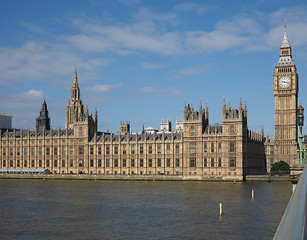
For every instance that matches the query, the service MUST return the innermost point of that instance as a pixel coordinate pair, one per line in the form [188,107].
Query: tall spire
[285,42]
[75,76]
[200,107]
[224,105]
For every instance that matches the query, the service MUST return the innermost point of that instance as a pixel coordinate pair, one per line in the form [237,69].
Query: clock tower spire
[285,80]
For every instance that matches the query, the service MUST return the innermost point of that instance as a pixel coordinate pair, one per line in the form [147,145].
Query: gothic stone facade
[227,151]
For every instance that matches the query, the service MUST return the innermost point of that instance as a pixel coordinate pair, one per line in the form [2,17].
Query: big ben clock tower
[285,94]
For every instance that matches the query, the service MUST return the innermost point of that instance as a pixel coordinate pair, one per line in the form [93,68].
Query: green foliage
[280,167]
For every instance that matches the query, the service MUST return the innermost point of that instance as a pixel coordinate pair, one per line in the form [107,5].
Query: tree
[280,167]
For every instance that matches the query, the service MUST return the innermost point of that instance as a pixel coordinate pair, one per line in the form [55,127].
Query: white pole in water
[253,194]
[221,209]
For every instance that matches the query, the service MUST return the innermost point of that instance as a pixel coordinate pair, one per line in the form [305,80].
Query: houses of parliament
[196,150]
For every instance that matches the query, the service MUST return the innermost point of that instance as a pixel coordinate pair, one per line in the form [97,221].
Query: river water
[71,209]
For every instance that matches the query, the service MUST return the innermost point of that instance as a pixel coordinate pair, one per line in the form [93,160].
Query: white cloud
[31,95]
[147,90]
[103,88]
[36,61]
[24,107]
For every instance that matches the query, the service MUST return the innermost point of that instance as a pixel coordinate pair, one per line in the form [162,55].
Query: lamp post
[300,123]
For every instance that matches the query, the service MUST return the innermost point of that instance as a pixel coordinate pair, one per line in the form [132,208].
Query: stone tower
[285,82]
[194,125]
[78,118]
[124,127]
[43,121]
[74,109]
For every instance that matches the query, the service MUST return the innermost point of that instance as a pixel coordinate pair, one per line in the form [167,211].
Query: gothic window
[177,148]
[47,151]
[115,149]
[219,147]
[232,162]
[124,149]
[40,151]
[99,150]
[149,162]
[159,149]
[115,162]
[47,163]
[132,149]
[232,129]
[205,162]
[107,150]
[91,163]
[192,162]
[212,162]
[212,147]
[71,150]
[220,162]
[192,131]
[159,162]
[63,151]
[63,163]
[168,162]
[168,149]
[193,147]
[99,162]
[150,149]
[132,162]
[141,163]
[91,150]
[141,149]
[107,162]
[55,151]
[232,147]
[205,147]
[81,150]
[124,163]
[81,164]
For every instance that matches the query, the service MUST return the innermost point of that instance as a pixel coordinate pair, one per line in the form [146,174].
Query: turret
[43,120]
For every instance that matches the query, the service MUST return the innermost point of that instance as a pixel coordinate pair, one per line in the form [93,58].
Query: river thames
[72,209]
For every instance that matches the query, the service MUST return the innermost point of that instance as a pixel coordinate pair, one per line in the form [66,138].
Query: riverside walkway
[293,224]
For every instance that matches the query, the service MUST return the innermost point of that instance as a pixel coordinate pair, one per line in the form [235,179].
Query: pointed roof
[285,42]
[75,76]
[44,106]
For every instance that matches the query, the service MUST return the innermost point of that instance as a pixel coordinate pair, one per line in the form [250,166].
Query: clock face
[284,82]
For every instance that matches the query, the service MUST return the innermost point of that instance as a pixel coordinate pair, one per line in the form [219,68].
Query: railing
[293,223]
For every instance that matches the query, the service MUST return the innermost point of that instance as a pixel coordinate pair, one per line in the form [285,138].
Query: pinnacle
[285,42]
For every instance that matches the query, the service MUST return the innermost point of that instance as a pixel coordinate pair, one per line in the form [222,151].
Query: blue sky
[141,60]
